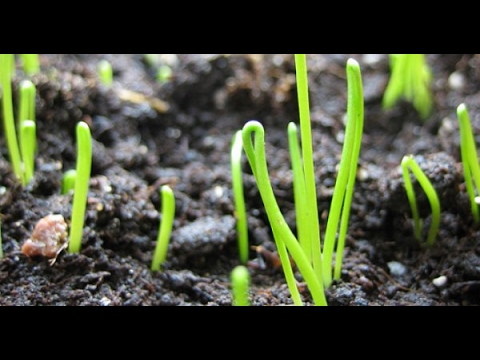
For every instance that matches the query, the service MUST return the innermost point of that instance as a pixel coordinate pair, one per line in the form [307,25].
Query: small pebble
[440,281]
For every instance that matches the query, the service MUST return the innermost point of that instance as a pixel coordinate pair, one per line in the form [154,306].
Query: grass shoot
[410,79]
[31,64]
[305,249]
[105,72]
[165,227]
[82,180]
[409,164]
[240,280]
[28,135]
[471,167]
[68,181]
[239,200]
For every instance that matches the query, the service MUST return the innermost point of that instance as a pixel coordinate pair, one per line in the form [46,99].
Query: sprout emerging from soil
[471,167]
[105,72]
[82,179]
[165,227]
[409,164]
[240,279]
[410,79]
[239,199]
[315,267]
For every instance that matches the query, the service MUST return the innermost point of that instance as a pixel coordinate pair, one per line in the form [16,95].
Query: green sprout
[237,184]
[240,279]
[409,164]
[471,167]
[82,179]
[164,74]
[315,267]
[21,139]
[27,148]
[6,63]
[68,181]
[105,72]
[31,63]
[410,79]
[165,227]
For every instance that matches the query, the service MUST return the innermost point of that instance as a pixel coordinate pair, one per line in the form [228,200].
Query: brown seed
[48,239]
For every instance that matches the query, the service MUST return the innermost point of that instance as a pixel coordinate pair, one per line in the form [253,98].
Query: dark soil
[147,134]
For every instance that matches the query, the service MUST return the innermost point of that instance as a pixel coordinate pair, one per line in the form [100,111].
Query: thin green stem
[80,192]
[105,72]
[471,167]
[239,199]
[302,220]
[240,280]
[6,63]
[354,132]
[27,147]
[255,151]
[408,162]
[308,166]
[165,227]
[31,64]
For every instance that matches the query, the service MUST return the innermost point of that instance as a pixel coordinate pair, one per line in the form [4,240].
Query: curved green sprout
[165,227]
[240,279]
[239,199]
[410,78]
[471,167]
[306,252]
[409,163]
[285,240]
[82,180]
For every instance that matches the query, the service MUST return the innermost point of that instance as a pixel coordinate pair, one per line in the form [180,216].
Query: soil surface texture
[148,133]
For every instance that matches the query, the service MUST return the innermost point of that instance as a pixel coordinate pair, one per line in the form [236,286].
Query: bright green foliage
[164,74]
[68,181]
[28,134]
[410,79]
[240,279]
[21,138]
[237,184]
[471,167]
[105,72]
[315,267]
[82,180]
[31,64]
[6,63]
[409,164]
[165,227]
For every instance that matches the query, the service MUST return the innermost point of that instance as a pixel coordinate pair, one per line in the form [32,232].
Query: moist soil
[147,134]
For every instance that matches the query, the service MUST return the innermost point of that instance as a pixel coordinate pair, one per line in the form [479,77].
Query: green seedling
[315,267]
[105,72]
[164,74]
[6,63]
[68,181]
[409,164]
[239,199]
[27,148]
[31,63]
[240,279]
[410,79]
[21,139]
[82,180]
[471,167]
[165,227]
